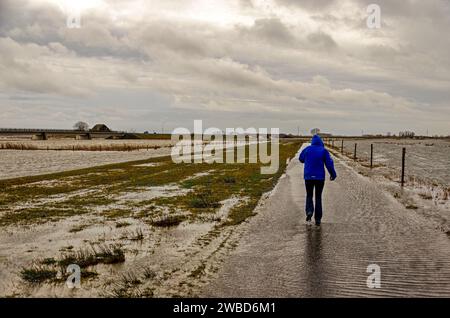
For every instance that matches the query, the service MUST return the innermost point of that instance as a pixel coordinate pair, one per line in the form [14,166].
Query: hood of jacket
[316,141]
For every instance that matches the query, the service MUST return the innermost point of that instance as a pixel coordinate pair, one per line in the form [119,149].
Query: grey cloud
[322,40]
[308,4]
[187,41]
[29,22]
[273,70]
[271,30]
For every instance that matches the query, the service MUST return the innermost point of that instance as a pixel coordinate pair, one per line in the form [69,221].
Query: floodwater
[170,253]
[21,163]
[18,163]
[280,256]
[428,159]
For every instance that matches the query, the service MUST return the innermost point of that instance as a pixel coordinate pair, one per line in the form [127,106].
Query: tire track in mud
[280,256]
[204,258]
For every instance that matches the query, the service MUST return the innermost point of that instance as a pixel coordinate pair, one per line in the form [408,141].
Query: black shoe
[318,223]
[308,217]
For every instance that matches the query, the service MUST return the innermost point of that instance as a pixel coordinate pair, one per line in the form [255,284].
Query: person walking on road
[315,157]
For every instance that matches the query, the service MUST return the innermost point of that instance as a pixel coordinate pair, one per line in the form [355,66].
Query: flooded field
[35,159]
[18,163]
[425,159]
[427,173]
[72,154]
[146,228]
[143,226]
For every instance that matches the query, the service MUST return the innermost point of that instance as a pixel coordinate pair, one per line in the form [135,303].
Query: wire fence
[420,164]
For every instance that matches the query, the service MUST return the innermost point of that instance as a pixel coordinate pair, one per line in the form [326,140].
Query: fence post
[354,153]
[342,146]
[371,156]
[403,166]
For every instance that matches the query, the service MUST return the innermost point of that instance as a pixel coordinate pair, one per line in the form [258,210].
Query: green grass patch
[78,228]
[48,261]
[47,269]
[88,200]
[38,274]
[122,224]
[38,215]
[94,255]
[137,235]
[117,213]
[168,220]
[204,199]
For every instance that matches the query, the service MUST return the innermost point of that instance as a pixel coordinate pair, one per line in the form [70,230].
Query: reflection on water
[315,262]
[283,257]
[336,257]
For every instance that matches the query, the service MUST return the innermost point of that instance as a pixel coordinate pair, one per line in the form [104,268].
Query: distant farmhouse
[100,128]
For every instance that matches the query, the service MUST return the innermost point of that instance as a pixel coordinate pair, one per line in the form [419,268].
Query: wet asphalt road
[280,256]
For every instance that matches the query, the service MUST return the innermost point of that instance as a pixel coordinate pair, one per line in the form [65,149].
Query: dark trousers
[310,186]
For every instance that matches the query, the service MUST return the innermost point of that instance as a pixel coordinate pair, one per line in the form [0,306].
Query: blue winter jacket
[314,157]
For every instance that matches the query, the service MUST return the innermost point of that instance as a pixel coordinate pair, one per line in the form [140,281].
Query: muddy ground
[147,228]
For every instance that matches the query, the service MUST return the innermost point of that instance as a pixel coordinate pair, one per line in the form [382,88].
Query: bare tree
[81,125]
[406,134]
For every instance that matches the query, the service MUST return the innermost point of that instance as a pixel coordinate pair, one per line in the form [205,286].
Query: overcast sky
[149,65]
